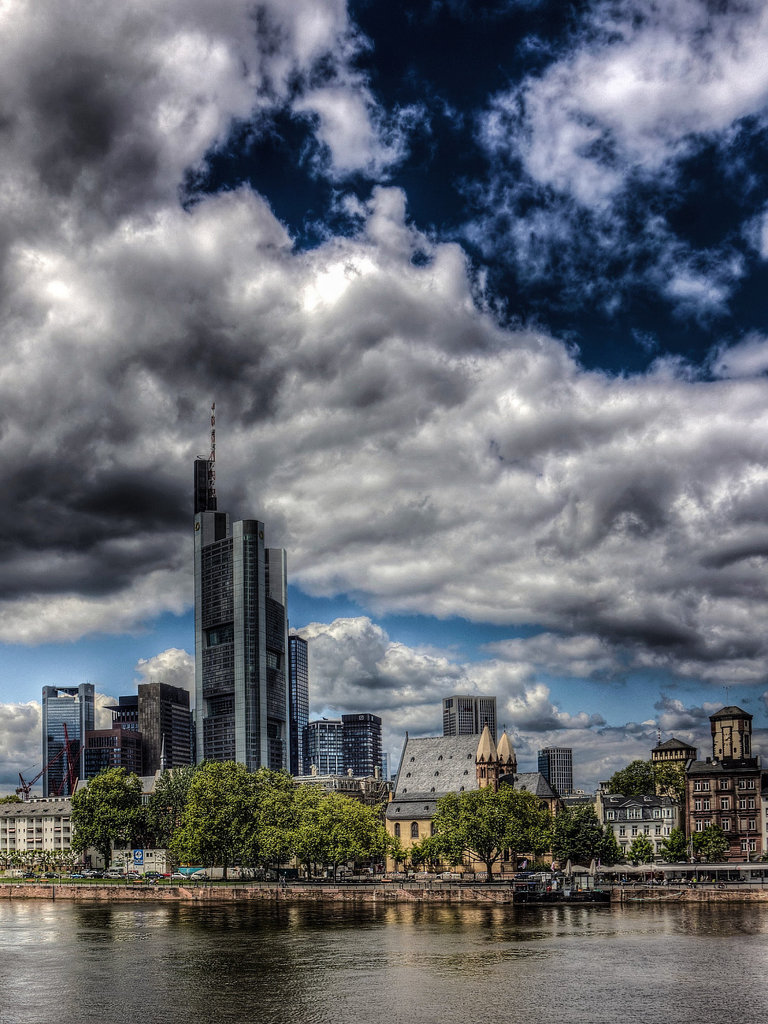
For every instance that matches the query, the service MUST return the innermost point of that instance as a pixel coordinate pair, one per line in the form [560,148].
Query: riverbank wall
[363,893]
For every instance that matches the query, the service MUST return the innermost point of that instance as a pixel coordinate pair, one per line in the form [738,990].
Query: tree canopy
[109,810]
[482,824]
[640,778]
[577,835]
[711,844]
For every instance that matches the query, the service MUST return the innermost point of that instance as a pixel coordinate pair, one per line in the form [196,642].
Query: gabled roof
[436,765]
[532,782]
[674,744]
[731,712]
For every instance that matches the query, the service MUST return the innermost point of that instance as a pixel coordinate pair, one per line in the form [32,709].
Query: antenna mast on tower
[212,458]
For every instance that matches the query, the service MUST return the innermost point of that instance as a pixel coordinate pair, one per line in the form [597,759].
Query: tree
[167,803]
[636,779]
[711,844]
[108,811]
[641,778]
[669,778]
[13,799]
[675,847]
[275,810]
[481,824]
[611,852]
[218,824]
[577,835]
[641,850]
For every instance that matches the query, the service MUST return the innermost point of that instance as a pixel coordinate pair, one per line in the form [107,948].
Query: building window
[725,803]
[397,830]
[724,783]
[701,825]
[751,804]
[697,804]
[752,845]
[742,804]
[658,830]
[622,830]
[751,825]
[634,830]
[725,824]
[611,815]
[705,805]
[414,830]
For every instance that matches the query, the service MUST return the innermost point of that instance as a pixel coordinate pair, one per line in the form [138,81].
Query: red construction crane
[24,787]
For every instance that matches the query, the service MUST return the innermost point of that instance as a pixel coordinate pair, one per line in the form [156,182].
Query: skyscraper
[466,715]
[165,722]
[556,765]
[118,747]
[70,706]
[324,747]
[298,667]
[361,739]
[241,637]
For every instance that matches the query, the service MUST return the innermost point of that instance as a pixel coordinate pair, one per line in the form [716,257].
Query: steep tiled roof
[674,744]
[437,765]
[731,712]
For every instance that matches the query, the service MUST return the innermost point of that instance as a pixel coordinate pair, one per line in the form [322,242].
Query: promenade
[365,892]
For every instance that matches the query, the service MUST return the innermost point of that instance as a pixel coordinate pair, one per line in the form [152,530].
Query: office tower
[465,715]
[165,722]
[298,669]
[385,765]
[556,765]
[324,747]
[70,706]
[241,637]
[361,742]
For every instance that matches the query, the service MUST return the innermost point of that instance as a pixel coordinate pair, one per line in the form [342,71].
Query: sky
[479,291]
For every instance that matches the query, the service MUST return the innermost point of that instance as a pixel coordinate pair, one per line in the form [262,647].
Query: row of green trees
[220,814]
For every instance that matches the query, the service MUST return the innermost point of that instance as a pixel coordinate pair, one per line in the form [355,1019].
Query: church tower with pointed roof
[506,755]
[487,761]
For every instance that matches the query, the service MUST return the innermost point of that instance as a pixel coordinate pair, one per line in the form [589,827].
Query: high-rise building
[298,669]
[165,722]
[118,747]
[361,740]
[466,715]
[241,637]
[73,707]
[324,747]
[556,765]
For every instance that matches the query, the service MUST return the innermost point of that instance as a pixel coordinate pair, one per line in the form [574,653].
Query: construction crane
[24,788]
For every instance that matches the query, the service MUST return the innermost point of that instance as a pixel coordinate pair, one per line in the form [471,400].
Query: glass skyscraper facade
[241,639]
[324,747]
[70,706]
[361,737]
[298,667]
[556,765]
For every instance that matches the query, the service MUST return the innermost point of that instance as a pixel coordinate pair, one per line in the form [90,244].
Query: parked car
[152,876]
[132,876]
[113,873]
[178,877]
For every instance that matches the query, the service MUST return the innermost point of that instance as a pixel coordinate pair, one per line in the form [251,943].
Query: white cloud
[747,358]
[640,88]
[173,666]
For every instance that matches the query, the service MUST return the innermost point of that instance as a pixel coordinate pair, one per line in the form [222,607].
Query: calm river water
[64,963]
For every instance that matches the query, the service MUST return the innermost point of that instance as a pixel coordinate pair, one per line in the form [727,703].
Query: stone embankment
[366,893]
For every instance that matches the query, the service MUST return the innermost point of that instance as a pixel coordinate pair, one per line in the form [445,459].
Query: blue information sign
[138,856]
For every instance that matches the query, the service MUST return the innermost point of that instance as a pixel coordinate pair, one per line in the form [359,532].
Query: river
[689,963]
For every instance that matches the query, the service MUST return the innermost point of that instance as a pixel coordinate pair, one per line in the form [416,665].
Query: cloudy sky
[479,291]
